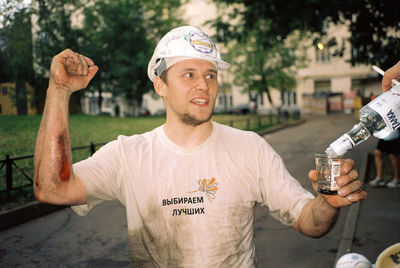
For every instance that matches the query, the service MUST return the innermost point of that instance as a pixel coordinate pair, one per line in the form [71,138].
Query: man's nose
[201,83]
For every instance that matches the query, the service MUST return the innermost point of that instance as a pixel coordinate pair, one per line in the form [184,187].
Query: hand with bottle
[390,74]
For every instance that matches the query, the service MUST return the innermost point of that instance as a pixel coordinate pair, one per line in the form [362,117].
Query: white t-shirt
[192,207]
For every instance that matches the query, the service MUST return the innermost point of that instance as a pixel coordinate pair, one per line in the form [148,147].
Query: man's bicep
[76,191]
[282,194]
[99,176]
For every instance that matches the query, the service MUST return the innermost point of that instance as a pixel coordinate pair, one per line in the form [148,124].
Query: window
[225,95]
[322,54]
[225,99]
[322,86]
[221,99]
[4,90]
[107,102]
[288,97]
[356,84]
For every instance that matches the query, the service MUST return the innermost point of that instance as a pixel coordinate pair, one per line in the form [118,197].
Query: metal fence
[15,176]
[255,122]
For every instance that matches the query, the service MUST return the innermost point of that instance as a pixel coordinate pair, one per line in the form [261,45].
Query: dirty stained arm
[317,218]
[54,180]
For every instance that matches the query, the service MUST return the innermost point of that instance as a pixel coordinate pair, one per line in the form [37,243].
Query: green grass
[18,133]
[18,136]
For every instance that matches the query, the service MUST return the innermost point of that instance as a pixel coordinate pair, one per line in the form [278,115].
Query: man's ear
[160,86]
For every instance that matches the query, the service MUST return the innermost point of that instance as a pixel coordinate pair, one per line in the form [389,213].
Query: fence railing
[259,121]
[26,169]
[9,166]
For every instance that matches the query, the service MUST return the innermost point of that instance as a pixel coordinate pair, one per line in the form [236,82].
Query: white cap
[186,42]
[341,145]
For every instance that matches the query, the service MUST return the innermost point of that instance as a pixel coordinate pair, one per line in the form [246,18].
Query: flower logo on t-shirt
[207,186]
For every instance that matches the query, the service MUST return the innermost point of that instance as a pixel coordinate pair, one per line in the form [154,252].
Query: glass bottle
[380,118]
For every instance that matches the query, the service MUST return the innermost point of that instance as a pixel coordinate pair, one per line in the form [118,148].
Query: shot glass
[328,169]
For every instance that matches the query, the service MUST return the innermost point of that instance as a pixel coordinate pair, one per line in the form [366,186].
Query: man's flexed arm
[54,180]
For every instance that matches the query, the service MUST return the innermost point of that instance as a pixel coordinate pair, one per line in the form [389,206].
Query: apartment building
[331,83]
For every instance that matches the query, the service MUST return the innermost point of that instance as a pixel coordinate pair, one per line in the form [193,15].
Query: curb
[346,240]
[279,127]
[27,212]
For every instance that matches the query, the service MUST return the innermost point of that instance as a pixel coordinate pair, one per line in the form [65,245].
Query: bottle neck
[359,133]
[354,136]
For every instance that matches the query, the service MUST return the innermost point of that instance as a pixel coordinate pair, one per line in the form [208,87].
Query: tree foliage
[16,46]
[374,24]
[260,68]
[375,30]
[120,37]
[52,35]
[16,51]
[261,61]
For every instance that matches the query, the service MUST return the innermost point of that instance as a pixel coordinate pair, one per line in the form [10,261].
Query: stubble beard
[191,120]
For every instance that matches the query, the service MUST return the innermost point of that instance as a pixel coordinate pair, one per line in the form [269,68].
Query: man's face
[191,91]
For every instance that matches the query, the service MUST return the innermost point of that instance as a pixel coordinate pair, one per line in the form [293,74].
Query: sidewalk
[378,225]
[297,147]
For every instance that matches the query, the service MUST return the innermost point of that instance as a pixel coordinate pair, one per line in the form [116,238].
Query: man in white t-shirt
[190,185]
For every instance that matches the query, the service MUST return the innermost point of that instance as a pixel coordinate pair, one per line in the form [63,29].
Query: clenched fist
[71,71]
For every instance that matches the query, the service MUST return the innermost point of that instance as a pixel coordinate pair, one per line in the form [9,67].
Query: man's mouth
[199,101]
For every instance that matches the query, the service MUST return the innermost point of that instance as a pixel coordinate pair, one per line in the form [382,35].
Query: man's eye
[211,76]
[188,74]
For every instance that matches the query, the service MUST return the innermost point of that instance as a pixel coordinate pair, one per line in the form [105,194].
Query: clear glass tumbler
[328,169]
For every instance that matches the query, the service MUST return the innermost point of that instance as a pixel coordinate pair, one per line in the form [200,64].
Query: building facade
[16,102]
[330,84]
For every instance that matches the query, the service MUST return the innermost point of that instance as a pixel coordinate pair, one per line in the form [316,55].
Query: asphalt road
[280,246]
[63,239]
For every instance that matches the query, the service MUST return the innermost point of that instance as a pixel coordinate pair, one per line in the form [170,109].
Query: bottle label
[387,105]
[335,172]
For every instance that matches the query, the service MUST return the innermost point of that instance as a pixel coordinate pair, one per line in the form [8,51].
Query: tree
[54,34]
[16,51]
[264,68]
[115,38]
[374,25]
[120,36]
[260,60]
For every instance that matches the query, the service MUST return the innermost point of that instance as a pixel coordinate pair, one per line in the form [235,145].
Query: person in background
[390,146]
